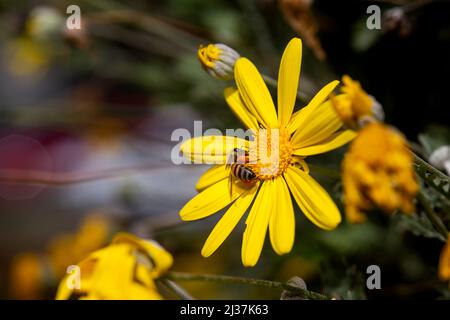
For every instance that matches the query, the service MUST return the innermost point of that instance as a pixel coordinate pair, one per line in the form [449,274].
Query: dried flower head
[377,171]
[355,107]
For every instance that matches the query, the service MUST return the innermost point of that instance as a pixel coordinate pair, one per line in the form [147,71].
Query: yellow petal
[288,78]
[335,141]
[295,118]
[238,107]
[212,176]
[209,201]
[257,222]
[211,149]
[310,110]
[228,222]
[324,123]
[161,258]
[312,199]
[254,92]
[105,281]
[282,220]
[64,292]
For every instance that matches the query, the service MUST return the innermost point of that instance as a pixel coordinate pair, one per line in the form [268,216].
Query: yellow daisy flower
[312,130]
[125,270]
[27,276]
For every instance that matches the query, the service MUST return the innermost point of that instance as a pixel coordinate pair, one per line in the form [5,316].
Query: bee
[239,169]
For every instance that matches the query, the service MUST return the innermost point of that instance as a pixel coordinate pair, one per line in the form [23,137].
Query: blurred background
[95,108]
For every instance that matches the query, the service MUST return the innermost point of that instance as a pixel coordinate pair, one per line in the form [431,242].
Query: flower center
[270,153]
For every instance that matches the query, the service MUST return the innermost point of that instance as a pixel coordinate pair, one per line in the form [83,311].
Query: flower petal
[254,93]
[324,123]
[309,112]
[211,149]
[228,222]
[288,78]
[212,176]
[209,201]
[238,107]
[257,223]
[312,199]
[335,141]
[282,220]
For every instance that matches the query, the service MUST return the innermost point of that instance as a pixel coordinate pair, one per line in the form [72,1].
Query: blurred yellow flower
[27,276]
[355,106]
[70,248]
[312,130]
[377,171]
[126,269]
[444,262]
[218,60]
[32,273]
[27,57]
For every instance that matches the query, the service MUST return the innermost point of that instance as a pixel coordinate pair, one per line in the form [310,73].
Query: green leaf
[419,225]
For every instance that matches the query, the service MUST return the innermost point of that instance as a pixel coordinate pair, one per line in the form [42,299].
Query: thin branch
[305,294]
[150,23]
[301,96]
[175,289]
[58,179]
[432,176]
[434,218]
[324,171]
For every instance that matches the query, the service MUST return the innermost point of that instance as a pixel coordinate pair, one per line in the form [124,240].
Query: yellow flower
[377,170]
[67,249]
[355,106]
[310,131]
[218,60]
[27,276]
[27,57]
[126,269]
[444,262]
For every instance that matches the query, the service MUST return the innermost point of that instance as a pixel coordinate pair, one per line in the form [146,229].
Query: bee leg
[230,185]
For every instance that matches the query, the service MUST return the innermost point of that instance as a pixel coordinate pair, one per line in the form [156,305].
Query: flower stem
[175,289]
[303,97]
[432,176]
[434,218]
[324,171]
[305,294]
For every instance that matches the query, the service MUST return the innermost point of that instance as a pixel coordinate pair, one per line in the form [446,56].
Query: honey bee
[239,169]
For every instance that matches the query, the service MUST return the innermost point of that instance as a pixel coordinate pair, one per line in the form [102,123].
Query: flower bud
[45,23]
[218,60]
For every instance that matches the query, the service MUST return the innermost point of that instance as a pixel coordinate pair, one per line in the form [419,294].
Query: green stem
[432,176]
[324,171]
[434,218]
[302,97]
[175,289]
[306,294]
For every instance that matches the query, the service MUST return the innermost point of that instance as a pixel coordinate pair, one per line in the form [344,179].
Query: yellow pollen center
[270,153]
